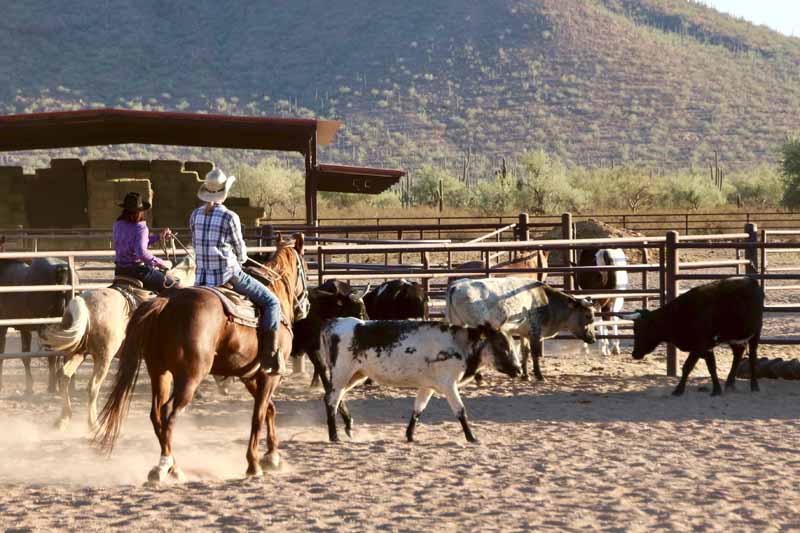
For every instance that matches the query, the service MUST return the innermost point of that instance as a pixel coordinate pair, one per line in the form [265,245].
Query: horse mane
[280,263]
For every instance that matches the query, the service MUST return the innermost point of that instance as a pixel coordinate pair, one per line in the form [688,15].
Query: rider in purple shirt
[131,240]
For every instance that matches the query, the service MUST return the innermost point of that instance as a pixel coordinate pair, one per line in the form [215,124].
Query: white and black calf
[727,311]
[428,356]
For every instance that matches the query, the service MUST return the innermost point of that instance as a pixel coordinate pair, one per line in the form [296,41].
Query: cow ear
[299,242]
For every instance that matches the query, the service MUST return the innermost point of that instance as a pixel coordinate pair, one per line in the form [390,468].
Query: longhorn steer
[428,356]
[728,311]
[520,306]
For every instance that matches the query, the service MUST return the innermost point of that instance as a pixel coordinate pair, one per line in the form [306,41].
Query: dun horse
[93,326]
[188,336]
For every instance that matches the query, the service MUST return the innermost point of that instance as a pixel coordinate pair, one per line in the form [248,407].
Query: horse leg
[256,386]
[3,332]
[27,338]
[617,307]
[102,362]
[65,378]
[183,391]
[272,459]
[160,397]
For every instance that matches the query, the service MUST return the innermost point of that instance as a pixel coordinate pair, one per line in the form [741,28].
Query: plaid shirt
[218,244]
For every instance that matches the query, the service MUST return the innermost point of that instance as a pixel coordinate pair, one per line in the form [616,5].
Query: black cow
[398,299]
[332,299]
[728,311]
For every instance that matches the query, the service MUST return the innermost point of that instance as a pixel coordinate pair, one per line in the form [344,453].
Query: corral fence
[433,261]
[454,228]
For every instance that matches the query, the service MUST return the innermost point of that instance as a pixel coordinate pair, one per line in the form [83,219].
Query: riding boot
[268,354]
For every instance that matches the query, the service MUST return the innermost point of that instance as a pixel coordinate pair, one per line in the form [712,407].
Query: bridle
[301,304]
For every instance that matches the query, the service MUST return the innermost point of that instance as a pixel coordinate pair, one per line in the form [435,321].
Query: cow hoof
[716,393]
[730,387]
[677,392]
[525,377]
[754,387]
[271,461]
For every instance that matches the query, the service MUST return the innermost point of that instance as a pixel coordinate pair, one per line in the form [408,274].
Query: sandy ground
[600,444]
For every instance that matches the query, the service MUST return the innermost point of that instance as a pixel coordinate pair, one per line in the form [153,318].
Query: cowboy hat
[133,202]
[216,186]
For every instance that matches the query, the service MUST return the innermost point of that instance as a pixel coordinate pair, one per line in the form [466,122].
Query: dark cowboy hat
[133,202]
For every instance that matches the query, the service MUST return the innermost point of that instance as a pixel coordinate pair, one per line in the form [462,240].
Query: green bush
[790,170]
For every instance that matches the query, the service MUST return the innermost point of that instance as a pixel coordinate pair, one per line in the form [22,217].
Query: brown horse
[187,336]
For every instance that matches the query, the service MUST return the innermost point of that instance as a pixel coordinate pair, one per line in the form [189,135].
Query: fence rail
[751,249]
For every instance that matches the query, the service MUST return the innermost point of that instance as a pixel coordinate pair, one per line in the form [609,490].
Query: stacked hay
[592,229]
[770,368]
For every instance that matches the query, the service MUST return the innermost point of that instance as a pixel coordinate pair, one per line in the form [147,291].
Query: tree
[790,170]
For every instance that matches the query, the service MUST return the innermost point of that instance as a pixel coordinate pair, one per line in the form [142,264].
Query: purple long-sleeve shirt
[131,240]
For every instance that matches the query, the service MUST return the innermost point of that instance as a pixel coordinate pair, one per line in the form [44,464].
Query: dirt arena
[600,444]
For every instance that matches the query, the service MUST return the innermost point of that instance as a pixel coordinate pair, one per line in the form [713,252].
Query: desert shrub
[543,185]
[272,185]
[425,188]
[790,171]
[688,191]
[761,188]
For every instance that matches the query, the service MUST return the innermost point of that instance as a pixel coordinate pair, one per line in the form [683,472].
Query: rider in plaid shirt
[220,251]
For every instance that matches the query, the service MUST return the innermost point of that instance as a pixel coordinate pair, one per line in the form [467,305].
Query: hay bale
[593,229]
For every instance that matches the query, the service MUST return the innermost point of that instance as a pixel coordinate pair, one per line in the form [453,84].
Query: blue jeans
[152,278]
[264,298]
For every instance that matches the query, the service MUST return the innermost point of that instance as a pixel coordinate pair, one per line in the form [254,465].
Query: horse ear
[299,242]
[278,238]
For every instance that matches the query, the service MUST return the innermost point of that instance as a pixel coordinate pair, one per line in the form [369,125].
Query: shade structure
[93,127]
[97,127]
[364,180]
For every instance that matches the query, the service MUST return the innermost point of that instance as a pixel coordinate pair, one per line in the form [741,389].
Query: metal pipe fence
[435,265]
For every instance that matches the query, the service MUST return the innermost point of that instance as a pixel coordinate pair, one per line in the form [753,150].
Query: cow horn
[632,316]
[322,292]
[365,291]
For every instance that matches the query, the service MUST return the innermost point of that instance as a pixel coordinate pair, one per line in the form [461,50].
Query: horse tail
[70,335]
[137,336]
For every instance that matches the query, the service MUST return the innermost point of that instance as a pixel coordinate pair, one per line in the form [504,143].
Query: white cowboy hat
[216,186]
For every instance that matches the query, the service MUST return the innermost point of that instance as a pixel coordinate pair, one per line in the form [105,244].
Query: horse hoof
[271,462]
[157,475]
[176,474]
[61,424]
[254,472]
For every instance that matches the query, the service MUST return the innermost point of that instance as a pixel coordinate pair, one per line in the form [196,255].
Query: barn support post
[568,234]
[751,252]
[671,292]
